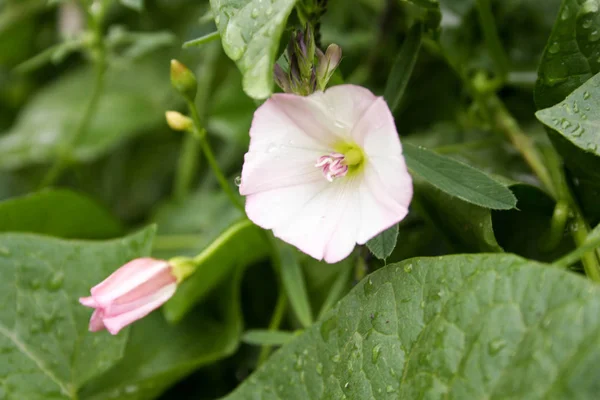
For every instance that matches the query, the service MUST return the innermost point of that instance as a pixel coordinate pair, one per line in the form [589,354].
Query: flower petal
[385,195]
[88,302]
[127,278]
[314,226]
[96,323]
[116,323]
[376,131]
[345,106]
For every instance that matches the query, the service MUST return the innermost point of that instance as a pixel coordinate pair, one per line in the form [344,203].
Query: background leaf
[292,279]
[457,326]
[383,244]
[250,33]
[458,179]
[125,109]
[47,351]
[44,213]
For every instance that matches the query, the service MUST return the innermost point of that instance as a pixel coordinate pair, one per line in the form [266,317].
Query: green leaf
[403,67]
[217,261]
[569,60]
[577,117]
[384,244]
[137,5]
[126,108]
[294,284]
[47,351]
[267,338]
[467,327]
[59,213]
[159,354]
[458,179]
[465,226]
[571,54]
[430,13]
[250,33]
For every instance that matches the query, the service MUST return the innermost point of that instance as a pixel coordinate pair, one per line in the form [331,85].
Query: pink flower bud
[130,293]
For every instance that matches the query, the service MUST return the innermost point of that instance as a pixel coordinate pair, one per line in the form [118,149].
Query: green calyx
[182,268]
[354,157]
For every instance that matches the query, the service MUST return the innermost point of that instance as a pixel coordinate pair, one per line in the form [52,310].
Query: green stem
[560,218]
[66,153]
[585,249]
[200,134]
[490,33]
[276,319]
[509,127]
[186,166]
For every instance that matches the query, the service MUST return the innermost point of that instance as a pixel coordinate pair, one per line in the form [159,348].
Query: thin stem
[509,127]
[200,133]
[99,52]
[490,33]
[276,319]
[186,166]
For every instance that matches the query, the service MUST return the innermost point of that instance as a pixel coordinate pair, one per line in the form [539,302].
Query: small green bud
[178,121]
[183,80]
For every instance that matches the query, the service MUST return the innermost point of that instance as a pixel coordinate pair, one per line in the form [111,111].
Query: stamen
[332,166]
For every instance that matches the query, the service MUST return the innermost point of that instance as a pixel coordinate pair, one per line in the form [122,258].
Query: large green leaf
[250,33]
[464,327]
[159,354]
[46,351]
[126,107]
[571,57]
[458,179]
[59,213]
[577,117]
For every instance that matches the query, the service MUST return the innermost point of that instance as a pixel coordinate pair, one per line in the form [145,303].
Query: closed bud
[130,293]
[304,50]
[183,80]
[328,62]
[178,121]
[281,78]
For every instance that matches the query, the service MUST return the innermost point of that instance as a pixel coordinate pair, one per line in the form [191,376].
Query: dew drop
[254,13]
[586,24]
[586,95]
[336,358]
[56,281]
[375,353]
[565,124]
[390,389]
[327,328]
[269,11]
[554,48]
[368,287]
[408,268]
[238,181]
[565,14]
[594,36]
[495,346]
[320,369]
[299,363]
[592,147]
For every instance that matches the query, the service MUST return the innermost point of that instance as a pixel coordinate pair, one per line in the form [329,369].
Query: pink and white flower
[130,293]
[326,171]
